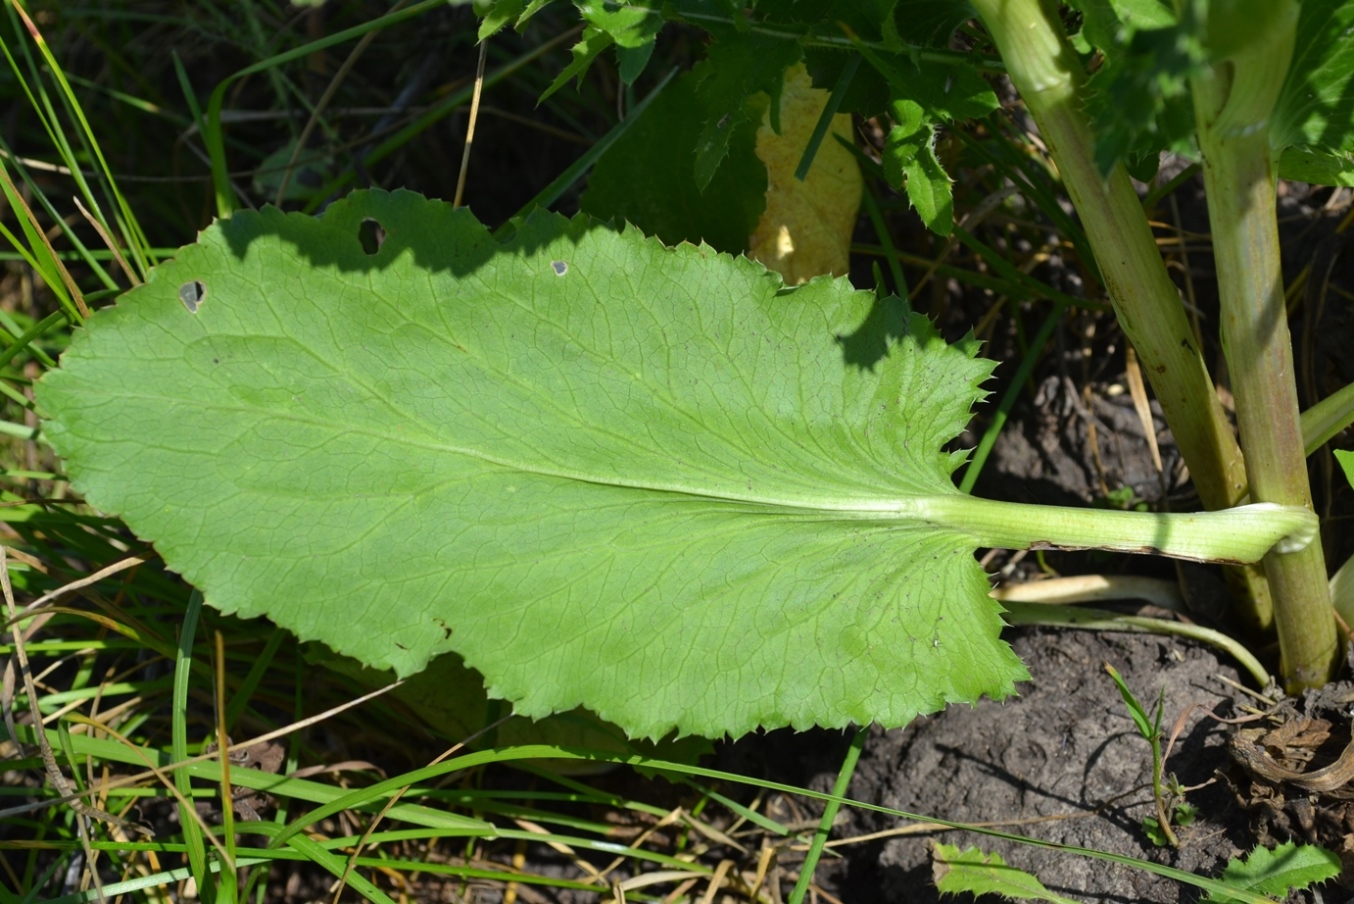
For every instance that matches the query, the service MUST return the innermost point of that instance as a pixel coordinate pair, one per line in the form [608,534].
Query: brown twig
[470,126]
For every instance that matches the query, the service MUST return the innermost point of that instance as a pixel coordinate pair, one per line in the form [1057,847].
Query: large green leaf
[1317,167]
[650,481]
[1316,109]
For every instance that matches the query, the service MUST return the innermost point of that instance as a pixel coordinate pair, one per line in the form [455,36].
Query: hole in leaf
[192,294]
[560,267]
[371,235]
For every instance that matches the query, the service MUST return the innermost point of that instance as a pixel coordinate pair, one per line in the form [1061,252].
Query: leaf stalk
[1046,71]
[1237,535]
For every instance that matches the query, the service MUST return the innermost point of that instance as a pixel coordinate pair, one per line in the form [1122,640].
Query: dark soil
[1064,763]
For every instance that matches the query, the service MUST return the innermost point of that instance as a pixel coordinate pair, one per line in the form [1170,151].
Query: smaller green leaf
[631,61]
[910,163]
[1135,709]
[1346,460]
[740,65]
[532,9]
[1317,167]
[929,189]
[624,185]
[1289,866]
[976,873]
[949,93]
[1151,827]
[499,14]
[592,43]
[1139,101]
[631,25]
[1144,13]
[909,115]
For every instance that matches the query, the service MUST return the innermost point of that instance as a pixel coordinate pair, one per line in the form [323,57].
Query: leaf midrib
[907,507]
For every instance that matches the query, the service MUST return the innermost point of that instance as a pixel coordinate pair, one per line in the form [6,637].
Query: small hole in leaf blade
[371,235]
[192,295]
[560,267]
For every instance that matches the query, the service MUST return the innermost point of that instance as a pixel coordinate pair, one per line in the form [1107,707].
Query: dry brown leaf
[806,229]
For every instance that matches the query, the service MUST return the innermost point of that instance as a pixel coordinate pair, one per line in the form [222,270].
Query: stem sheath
[1233,102]
[1048,75]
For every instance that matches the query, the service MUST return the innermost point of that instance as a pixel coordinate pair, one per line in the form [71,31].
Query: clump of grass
[128,689]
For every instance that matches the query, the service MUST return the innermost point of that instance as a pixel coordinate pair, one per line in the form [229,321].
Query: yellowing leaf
[806,229]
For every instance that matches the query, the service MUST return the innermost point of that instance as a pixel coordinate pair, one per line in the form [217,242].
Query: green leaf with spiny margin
[648,176]
[498,14]
[973,872]
[741,64]
[632,24]
[946,92]
[1139,100]
[591,43]
[632,61]
[649,481]
[910,163]
[1289,866]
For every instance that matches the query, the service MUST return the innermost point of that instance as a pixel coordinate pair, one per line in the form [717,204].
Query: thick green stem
[1236,535]
[1048,75]
[1233,102]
